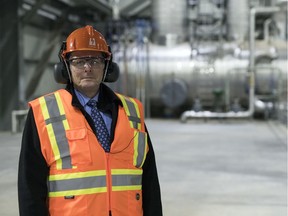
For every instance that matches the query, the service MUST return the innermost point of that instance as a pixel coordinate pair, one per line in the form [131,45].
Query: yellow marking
[61,110]
[78,192]
[77,175]
[136,107]
[125,188]
[145,150]
[126,172]
[137,112]
[44,109]
[51,134]
[136,142]
[54,146]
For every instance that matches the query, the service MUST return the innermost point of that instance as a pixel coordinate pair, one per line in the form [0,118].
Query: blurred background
[219,56]
[207,71]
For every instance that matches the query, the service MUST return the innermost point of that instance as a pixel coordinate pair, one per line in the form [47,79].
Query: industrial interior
[211,59]
[190,62]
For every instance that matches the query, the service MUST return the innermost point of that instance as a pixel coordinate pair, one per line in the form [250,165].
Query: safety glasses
[92,61]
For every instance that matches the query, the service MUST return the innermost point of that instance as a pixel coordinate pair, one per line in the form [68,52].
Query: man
[86,150]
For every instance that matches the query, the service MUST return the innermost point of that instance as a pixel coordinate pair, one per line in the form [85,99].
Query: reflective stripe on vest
[80,183]
[125,179]
[140,142]
[92,182]
[56,124]
[132,111]
[140,146]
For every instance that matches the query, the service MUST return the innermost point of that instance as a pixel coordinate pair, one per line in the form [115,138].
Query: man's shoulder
[60,92]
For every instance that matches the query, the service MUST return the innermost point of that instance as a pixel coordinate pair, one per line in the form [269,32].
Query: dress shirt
[84,100]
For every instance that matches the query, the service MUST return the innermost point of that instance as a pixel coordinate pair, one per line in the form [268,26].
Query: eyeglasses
[92,61]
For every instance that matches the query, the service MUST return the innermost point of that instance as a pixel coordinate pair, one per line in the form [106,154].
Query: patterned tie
[101,129]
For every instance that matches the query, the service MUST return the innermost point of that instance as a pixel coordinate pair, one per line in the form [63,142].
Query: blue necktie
[101,129]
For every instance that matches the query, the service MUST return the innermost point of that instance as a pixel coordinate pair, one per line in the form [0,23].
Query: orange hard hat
[86,38]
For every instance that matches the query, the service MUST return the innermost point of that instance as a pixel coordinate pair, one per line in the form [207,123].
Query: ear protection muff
[62,76]
[112,72]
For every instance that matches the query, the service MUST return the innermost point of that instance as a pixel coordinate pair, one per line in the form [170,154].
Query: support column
[9,59]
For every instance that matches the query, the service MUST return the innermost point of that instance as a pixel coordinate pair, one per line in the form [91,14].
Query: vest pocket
[59,206]
[79,146]
[135,203]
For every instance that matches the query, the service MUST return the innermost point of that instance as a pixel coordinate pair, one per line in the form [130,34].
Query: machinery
[228,65]
[182,59]
[177,81]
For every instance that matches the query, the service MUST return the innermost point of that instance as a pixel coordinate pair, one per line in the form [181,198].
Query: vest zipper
[109,187]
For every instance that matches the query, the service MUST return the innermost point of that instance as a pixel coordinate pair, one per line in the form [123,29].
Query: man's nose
[87,65]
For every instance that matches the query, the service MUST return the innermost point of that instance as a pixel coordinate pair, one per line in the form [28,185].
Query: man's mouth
[87,78]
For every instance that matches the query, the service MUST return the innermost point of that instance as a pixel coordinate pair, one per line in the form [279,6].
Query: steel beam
[9,67]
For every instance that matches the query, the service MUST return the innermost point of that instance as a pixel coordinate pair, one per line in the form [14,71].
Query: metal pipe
[147,79]
[251,73]
[209,114]
[251,69]
[266,29]
[253,12]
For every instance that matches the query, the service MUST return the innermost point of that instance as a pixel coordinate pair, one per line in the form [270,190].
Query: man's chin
[90,82]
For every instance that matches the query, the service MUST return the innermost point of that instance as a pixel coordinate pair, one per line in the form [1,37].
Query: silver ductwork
[168,21]
[177,79]
[253,102]
[222,76]
[238,20]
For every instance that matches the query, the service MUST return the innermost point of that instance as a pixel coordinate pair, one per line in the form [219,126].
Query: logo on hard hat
[92,42]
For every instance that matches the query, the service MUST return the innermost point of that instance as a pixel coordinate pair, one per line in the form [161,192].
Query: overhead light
[73,18]
[139,8]
[46,11]
[68,2]
[26,6]
[52,9]
[46,14]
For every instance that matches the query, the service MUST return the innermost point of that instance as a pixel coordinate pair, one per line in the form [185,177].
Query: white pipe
[209,114]
[251,72]
[251,68]
[266,29]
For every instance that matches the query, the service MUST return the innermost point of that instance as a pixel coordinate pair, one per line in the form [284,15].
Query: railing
[15,119]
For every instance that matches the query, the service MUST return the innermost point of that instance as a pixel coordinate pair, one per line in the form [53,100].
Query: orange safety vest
[84,179]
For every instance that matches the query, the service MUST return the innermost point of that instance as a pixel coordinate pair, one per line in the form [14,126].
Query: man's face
[87,68]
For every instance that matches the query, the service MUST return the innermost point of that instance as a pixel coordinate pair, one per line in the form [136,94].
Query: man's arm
[32,173]
[152,205]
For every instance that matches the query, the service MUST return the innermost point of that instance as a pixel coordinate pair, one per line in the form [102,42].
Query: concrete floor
[206,168]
